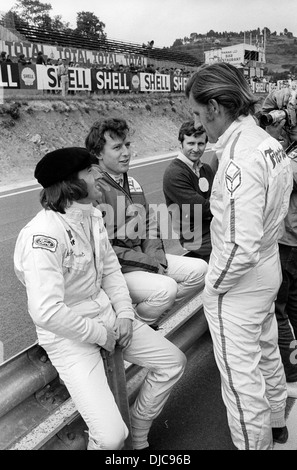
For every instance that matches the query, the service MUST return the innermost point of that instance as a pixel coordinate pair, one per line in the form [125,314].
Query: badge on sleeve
[46,243]
[232,177]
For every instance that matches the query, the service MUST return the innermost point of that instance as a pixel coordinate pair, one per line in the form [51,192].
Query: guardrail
[36,411]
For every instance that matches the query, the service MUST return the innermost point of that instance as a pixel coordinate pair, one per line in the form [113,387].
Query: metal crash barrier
[36,411]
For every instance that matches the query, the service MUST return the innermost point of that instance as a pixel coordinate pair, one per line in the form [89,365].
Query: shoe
[280,435]
[292,389]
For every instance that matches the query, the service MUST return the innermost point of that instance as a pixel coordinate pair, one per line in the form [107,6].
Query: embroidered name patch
[134,186]
[233,177]
[46,243]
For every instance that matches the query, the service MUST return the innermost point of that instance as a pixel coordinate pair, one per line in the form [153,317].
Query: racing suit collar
[78,211]
[223,139]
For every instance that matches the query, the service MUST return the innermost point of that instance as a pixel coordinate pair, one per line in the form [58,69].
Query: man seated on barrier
[154,279]
[187,186]
[79,302]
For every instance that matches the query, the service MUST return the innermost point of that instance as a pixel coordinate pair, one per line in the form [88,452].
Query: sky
[140,21]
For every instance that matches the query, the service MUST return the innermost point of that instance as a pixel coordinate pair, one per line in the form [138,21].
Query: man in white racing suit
[79,302]
[249,200]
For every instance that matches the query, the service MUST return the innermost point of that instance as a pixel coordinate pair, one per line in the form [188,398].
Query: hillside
[281,51]
[30,128]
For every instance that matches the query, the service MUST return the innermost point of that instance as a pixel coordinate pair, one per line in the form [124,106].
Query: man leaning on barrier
[155,279]
[79,302]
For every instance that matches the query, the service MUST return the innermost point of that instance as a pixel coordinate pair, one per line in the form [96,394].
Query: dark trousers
[286,311]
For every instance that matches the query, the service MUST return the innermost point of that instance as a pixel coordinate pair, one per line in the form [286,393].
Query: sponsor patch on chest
[45,243]
[134,186]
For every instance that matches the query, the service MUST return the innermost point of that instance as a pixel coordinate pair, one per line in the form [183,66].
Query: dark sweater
[181,186]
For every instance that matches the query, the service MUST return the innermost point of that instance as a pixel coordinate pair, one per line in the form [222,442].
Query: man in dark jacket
[155,279]
[187,186]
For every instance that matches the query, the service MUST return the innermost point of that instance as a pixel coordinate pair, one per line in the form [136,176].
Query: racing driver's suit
[75,289]
[249,200]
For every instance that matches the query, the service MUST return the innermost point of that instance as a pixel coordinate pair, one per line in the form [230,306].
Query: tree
[33,12]
[177,43]
[89,25]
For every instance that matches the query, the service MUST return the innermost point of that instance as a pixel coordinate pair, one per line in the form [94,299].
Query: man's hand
[124,330]
[111,339]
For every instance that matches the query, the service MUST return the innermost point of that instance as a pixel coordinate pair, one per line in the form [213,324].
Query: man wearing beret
[79,302]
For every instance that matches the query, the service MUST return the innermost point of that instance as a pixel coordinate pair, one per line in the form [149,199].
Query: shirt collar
[118,178]
[188,162]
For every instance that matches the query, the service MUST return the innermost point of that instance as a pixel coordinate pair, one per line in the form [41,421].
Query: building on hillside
[250,58]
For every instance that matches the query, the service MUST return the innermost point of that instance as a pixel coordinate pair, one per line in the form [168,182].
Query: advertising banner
[9,76]
[179,83]
[28,77]
[103,80]
[155,82]
[72,54]
[79,78]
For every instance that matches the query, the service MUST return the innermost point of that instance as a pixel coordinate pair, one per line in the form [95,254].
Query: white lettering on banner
[157,82]
[111,81]
[179,83]
[72,54]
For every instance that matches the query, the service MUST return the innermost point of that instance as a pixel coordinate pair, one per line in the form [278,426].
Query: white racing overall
[70,278]
[249,200]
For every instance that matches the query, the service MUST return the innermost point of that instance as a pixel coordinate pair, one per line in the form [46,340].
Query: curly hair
[95,139]
[60,196]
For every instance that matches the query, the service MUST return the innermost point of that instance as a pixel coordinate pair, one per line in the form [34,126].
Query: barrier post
[116,377]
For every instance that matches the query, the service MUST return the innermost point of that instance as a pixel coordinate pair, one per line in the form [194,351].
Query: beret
[58,165]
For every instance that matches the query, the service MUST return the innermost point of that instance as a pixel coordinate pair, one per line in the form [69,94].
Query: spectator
[80,304]
[63,75]
[187,182]
[155,279]
[40,59]
[249,200]
[3,57]
[22,60]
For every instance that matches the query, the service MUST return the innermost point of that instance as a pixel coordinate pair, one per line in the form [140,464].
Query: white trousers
[64,84]
[244,332]
[81,367]
[153,294]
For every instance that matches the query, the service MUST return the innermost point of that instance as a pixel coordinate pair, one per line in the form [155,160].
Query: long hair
[60,196]
[224,83]
[95,139]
